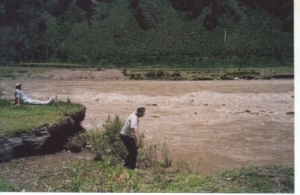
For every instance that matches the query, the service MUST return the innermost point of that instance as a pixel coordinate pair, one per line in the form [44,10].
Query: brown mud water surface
[212,125]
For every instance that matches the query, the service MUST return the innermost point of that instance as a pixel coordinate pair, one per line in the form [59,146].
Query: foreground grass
[14,120]
[266,179]
[109,176]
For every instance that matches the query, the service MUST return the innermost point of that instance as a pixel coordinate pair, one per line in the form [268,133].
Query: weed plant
[1,90]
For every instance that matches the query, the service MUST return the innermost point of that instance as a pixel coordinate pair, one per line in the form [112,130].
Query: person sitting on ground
[20,97]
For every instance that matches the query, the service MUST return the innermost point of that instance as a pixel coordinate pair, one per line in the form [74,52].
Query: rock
[98,156]
[152,105]
[156,116]
[292,113]
[42,140]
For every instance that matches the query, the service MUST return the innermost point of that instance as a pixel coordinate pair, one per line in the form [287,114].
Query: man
[130,137]
[20,97]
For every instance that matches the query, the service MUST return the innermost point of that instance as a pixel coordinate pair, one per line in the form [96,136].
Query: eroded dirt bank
[214,125]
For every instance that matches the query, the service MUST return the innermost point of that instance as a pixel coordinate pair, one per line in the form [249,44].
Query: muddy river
[213,125]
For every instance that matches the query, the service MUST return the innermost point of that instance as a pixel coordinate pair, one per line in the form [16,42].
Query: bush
[112,128]
[107,140]
[226,77]
[1,90]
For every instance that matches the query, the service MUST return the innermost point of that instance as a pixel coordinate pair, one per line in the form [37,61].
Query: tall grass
[99,176]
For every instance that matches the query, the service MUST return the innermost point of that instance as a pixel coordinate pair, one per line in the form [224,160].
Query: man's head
[140,112]
[18,86]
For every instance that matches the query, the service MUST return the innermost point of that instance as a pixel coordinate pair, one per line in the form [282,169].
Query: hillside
[140,32]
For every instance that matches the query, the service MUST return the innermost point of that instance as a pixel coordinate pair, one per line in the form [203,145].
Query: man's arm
[17,101]
[136,138]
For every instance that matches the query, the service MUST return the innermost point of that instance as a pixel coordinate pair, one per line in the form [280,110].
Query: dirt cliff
[46,139]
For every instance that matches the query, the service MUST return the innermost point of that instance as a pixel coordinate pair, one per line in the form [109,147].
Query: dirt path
[214,125]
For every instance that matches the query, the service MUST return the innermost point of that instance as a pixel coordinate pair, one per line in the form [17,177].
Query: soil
[213,125]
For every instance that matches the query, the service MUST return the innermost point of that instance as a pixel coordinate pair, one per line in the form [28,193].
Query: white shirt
[131,123]
[19,94]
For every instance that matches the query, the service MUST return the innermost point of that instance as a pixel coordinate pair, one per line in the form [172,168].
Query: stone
[42,140]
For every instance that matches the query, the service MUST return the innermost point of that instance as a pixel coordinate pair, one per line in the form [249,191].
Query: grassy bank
[158,172]
[14,120]
[225,73]
[109,176]
[160,71]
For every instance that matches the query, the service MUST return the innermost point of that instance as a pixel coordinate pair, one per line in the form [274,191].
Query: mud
[213,125]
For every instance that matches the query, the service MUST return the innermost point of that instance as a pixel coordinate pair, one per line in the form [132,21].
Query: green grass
[169,73]
[14,120]
[48,64]
[5,186]
[278,70]
[109,176]
[254,179]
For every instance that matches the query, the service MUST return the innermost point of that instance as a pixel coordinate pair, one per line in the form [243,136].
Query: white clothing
[19,94]
[25,100]
[31,101]
[131,123]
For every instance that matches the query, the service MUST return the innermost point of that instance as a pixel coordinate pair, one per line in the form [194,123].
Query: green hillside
[133,33]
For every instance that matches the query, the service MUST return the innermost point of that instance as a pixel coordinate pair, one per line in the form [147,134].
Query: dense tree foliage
[135,32]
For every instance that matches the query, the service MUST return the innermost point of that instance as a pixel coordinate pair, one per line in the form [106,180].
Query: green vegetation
[167,73]
[6,186]
[49,65]
[14,120]
[158,172]
[127,33]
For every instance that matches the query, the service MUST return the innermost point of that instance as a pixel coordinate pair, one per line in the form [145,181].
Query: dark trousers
[130,160]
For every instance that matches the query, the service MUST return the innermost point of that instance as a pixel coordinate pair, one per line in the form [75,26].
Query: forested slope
[139,32]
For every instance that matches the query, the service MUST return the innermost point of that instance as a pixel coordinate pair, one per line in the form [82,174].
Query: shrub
[226,77]
[1,90]
[112,128]
[125,72]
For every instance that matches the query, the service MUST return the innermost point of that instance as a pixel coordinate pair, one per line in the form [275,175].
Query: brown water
[214,125]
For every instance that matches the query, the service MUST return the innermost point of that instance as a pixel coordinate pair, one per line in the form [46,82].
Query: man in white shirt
[130,136]
[20,97]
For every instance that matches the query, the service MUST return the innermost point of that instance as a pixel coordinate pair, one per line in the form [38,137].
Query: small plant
[75,184]
[1,90]
[132,76]
[165,154]
[99,68]
[148,156]
[125,72]
[182,166]
[68,101]
[226,77]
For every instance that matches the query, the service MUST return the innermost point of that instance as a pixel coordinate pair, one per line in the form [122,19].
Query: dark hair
[141,110]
